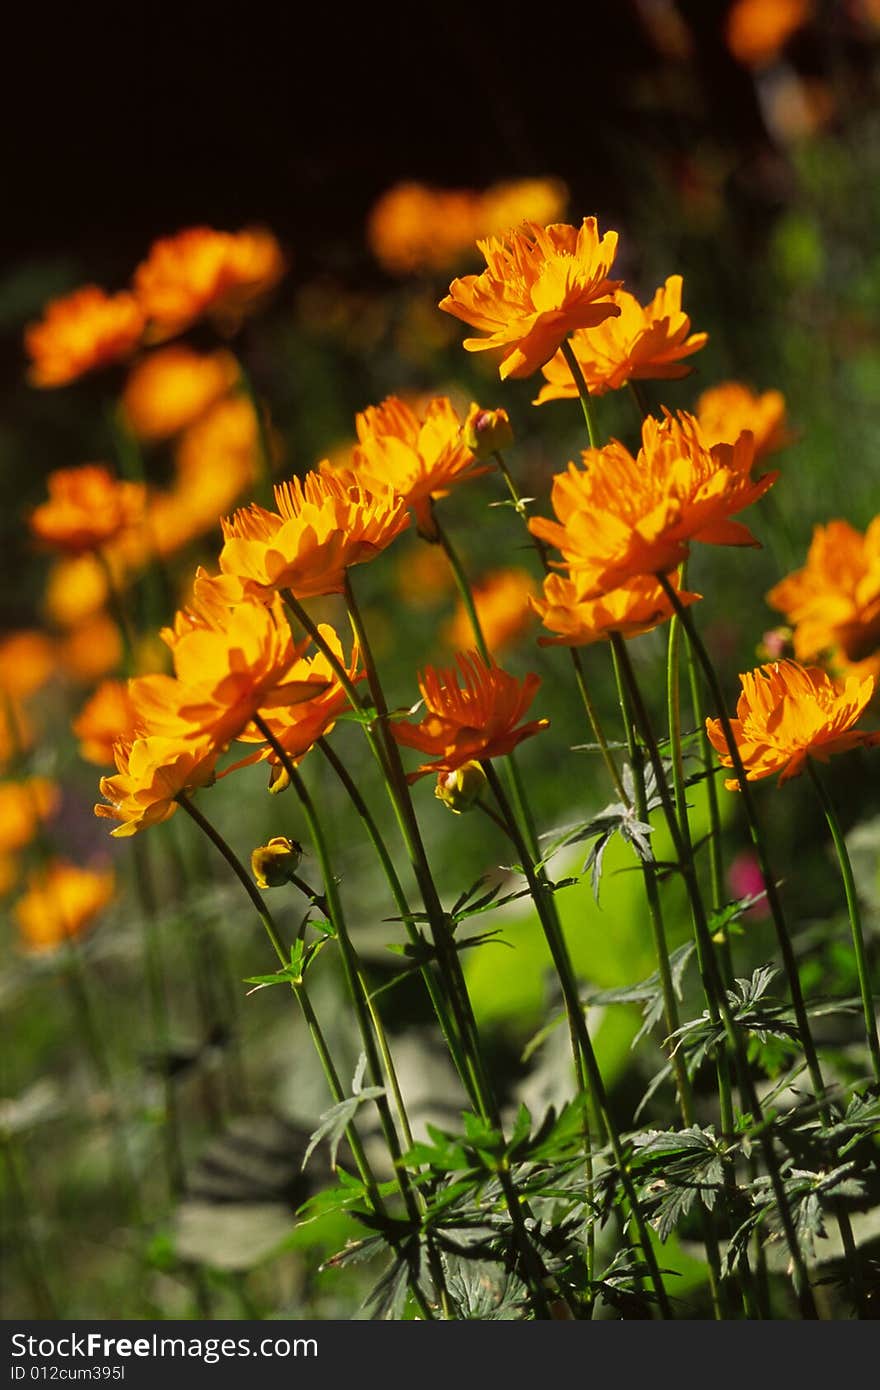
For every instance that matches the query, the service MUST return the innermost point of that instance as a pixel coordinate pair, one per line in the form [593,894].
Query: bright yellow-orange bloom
[788,713]
[27,660]
[24,807]
[62,901]
[726,410]
[502,599]
[81,332]
[833,603]
[421,455]
[621,517]
[473,714]
[539,285]
[198,272]
[105,719]
[756,30]
[87,508]
[323,525]
[173,387]
[150,774]
[638,606]
[643,343]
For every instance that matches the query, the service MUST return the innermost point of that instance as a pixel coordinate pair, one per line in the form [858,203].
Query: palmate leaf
[688,1164]
[616,818]
[485,1291]
[335,1121]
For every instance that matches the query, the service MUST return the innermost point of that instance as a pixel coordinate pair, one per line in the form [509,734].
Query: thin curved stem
[574,367]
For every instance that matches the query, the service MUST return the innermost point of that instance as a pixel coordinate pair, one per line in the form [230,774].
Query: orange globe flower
[756,30]
[62,901]
[788,713]
[91,649]
[24,808]
[199,272]
[621,517]
[173,387]
[27,660]
[539,285]
[502,599]
[833,603]
[108,716]
[421,455]
[87,508]
[473,714]
[81,332]
[643,343]
[151,773]
[638,606]
[324,524]
[726,410]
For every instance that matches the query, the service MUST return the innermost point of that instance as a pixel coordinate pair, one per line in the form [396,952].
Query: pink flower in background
[747,881]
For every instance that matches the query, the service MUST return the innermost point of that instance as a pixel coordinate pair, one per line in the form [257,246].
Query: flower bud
[460,790]
[273,864]
[486,431]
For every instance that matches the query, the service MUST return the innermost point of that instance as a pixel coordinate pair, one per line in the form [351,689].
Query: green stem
[24,1206]
[574,367]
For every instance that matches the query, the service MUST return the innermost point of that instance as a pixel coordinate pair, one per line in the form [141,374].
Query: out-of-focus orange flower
[76,589]
[833,603]
[150,774]
[62,901]
[726,410]
[502,600]
[81,332]
[621,517]
[643,343]
[87,508]
[173,387]
[757,30]
[420,454]
[788,713]
[520,200]
[324,524]
[27,660]
[423,576]
[540,284]
[24,807]
[91,649]
[638,606]
[473,714]
[106,717]
[199,271]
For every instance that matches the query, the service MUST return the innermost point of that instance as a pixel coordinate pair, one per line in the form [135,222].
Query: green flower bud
[486,431]
[461,790]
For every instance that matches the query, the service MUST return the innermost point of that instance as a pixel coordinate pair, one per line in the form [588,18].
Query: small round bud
[461,790]
[775,644]
[273,864]
[486,431]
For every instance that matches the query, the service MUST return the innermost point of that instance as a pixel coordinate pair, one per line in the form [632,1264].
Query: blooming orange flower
[539,285]
[201,272]
[27,660]
[726,410]
[502,599]
[81,332]
[756,30]
[788,713]
[622,517]
[173,387]
[87,507]
[421,455]
[106,717]
[473,721]
[323,525]
[638,606]
[24,807]
[833,603]
[642,343]
[61,902]
[150,774]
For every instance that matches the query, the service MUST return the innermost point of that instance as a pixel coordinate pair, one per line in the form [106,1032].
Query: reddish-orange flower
[150,775]
[726,410]
[81,332]
[62,901]
[756,30]
[833,603]
[107,717]
[642,343]
[87,508]
[473,714]
[788,713]
[198,272]
[638,606]
[539,285]
[324,524]
[621,517]
[502,600]
[173,387]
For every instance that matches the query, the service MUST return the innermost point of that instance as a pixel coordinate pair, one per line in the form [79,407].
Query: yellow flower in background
[642,343]
[638,606]
[77,588]
[27,660]
[200,272]
[520,200]
[726,410]
[833,603]
[757,30]
[540,284]
[788,713]
[173,387]
[80,333]
[423,576]
[24,808]
[106,717]
[61,903]
[502,599]
[150,774]
[87,508]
